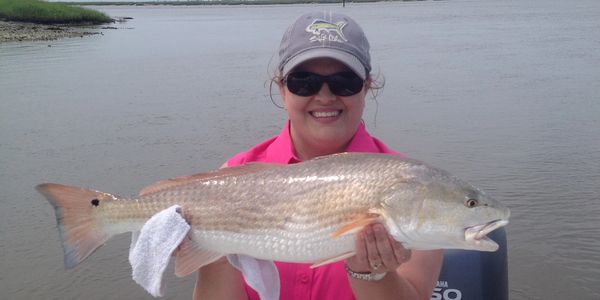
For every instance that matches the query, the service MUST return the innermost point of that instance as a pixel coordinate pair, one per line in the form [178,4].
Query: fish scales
[280,197]
[296,208]
[299,208]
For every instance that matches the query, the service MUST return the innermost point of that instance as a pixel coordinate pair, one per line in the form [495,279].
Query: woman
[323,78]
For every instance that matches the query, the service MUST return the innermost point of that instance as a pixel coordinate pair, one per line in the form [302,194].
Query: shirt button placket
[304,284]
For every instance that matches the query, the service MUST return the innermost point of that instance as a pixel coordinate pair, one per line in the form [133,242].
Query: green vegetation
[220,2]
[41,12]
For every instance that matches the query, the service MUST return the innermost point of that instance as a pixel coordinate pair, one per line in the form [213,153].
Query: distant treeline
[222,2]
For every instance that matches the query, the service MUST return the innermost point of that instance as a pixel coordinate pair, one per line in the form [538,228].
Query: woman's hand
[377,251]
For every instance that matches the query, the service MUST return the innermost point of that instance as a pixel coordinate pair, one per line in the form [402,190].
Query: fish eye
[470,203]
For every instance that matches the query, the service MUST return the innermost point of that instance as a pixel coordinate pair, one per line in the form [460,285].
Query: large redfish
[306,212]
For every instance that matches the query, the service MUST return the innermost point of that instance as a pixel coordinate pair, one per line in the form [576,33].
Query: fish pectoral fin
[332,259]
[357,225]
[190,257]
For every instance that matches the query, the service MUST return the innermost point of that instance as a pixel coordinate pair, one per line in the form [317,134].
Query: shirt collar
[362,141]
[282,149]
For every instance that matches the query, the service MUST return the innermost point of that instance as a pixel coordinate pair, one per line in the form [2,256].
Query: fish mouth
[477,235]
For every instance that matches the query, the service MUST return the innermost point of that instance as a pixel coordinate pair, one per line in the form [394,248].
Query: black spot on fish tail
[95,202]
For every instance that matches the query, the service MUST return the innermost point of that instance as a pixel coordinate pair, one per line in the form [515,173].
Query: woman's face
[323,123]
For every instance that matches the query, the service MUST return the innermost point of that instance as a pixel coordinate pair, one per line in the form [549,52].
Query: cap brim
[344,57]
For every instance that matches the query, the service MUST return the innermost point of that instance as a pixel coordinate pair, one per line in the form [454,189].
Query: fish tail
[77,219]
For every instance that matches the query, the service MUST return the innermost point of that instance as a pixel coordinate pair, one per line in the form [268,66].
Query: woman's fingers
[402,254]
[385,248]
[361,257]
[375,260]
[377,252]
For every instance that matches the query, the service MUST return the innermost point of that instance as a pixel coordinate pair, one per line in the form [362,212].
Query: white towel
[151,249]
[260,275]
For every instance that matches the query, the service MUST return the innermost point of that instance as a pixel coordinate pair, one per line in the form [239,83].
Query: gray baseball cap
[325,34]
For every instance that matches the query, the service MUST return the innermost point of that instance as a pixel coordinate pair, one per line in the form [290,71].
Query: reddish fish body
[306,212]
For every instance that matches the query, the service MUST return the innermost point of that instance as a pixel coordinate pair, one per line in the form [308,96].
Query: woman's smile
[322,123]
[326,115]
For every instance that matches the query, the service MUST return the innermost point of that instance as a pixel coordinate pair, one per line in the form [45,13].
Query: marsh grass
[223,2]
[41,12]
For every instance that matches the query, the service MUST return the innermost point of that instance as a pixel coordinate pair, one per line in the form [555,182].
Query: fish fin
[332,259]
[190,257]
[341,154]
[220,173]
[357,225]
[76,215]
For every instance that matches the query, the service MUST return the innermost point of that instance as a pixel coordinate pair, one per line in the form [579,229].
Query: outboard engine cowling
[474,275]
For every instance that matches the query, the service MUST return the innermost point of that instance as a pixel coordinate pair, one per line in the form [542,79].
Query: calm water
[503,93]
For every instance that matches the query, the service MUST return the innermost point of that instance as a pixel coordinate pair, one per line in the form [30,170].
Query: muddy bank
[19,31]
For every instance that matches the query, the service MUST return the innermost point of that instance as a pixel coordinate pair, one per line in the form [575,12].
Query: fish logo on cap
[326,31]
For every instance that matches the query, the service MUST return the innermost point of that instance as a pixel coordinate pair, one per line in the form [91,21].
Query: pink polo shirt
[299,281]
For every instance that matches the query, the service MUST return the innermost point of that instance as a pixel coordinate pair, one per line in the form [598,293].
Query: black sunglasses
[307,84]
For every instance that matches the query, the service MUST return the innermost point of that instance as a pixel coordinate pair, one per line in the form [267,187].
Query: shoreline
[11,31]
[17,31]
[220,2]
